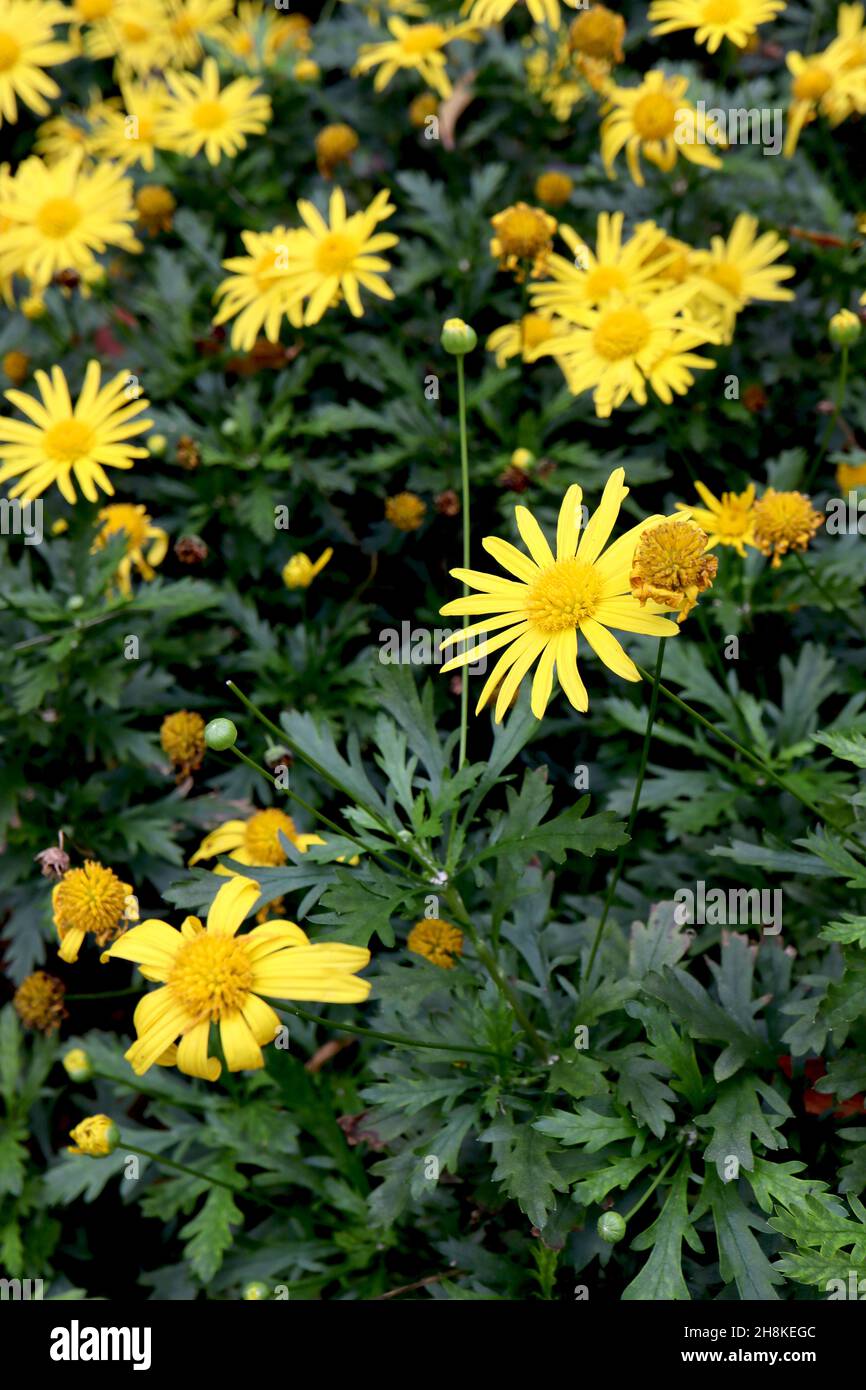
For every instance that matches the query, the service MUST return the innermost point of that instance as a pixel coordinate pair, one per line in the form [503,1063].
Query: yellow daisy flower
[622,347]
[489,12]
[132,135]
[729,520]
[56,137]
[713,20]
[523,239]
[656,121]
[63,441]
[671,565]
[255,35]
[190,21]
[632,268]
[548,598]
[255,841]
[262,289]
[136,34]
[27,48]
[60,217]
[419,47]
[200,115]
[823,84]
[526,337]
[90,901]
[39,1002]
[741,270]
[597,34]
[212,975]
[338,260]
[134,522]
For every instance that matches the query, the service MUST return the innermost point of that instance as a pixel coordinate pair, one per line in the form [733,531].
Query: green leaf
[821,1230]
[705,1020]
[641,1091]
[737,1118]
[662,942]
[523,1165]
[586,1126]
[662,1277]
[10,1038]
[741,1259]
[848,930]
[851,745]
[779,1183]
[209,1234]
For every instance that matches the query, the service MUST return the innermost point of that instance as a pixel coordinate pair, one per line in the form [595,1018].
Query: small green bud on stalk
[458,338]
[220,734]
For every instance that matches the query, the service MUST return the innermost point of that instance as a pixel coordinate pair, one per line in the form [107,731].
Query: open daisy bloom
[62,441]
[633,267]
[339,260]
[61,216]
[526,337]
[620,349]
[133,522]
[261,290]
[212,975]
[255,841]
[133,32]
[713,20]
[727,521]
[548,598]
[825,84]
[736,272]
[656,121]
[27,47]
[416,46]
[201,115]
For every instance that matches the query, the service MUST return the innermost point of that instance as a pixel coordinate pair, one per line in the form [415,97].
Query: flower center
[134,33]
[522,231]
[812,84]
[423,38]
[603,279]
[94,9]
[535,331]
[655,116]
[261,837]
[211,976]
[720,11]
[68,440]
[335,253]
[670,556]
[58,216]
[562,595]
[728,277]
[735,518]
[9,50]
[622,333]
[91,899]
[208,115]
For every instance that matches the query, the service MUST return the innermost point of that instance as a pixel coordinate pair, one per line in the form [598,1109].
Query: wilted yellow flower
[554,188]
[784,521]
[300,571]
[598,33]
[16,366]
[438,941]
[335,144]
[181,736]
[39,1002]
[133,522]
[89,901]
[523,239]
[155,205]
[671,567]
[405,511]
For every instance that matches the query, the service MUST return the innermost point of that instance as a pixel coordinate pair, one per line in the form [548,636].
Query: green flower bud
[220,734]
[845,328]
[458,338]
[76,1064]
[611,1227]
[255,1291]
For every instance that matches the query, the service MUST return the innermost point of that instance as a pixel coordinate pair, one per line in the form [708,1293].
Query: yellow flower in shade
[714,20]
[60,217]
[56,137]
[97,1137]
[255,842]
[405,511]
[212,975]
[182,738]
[851,475]
[633,267]
[823,84]
[489,12]
[255,35]
[523,239]
[548,598]
[155,206]
[741,270]
[300,571]
[437,941]
[784,521]
[136,34]
[123,518]
[39,1002]
[337,259]
[417,47]
[132,135]
[526,337]
[201,115]
[77,1064]
[554,188]
[729,521]
[598,33]
[306,70]
[262,288]
[646,120]
[190,21]
[63,441]
[91,901]
[671,566]
[335,144]
[27,48]
[421,108]
[16,365]
[620,349]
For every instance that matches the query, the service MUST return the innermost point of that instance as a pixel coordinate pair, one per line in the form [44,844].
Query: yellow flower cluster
[778,522]
[832,83]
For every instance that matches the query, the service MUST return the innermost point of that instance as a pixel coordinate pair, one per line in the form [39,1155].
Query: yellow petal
[241,1050]
[605,645]
[603,520]
[568,524]
[234,901]
[192,1055]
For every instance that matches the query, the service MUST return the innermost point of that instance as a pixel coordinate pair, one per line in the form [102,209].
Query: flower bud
[458,338]
[220,734]
[255,1291]
[611,1227]
[97,1137]
[845,328]
[76,1064]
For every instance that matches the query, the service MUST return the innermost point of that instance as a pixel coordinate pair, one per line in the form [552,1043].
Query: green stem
[653,1185]
[821,588]
[464,477]
[105,994]
[831,423]
[203,1177]
[399,1039]
[635,802]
